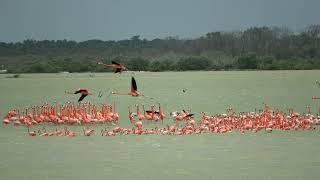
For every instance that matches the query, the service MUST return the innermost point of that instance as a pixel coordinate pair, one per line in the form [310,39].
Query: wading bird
[118,68]
[83,92]
[134,90]
[315,97]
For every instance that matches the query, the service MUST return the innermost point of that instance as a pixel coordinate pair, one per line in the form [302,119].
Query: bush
[193,63]
[248,61]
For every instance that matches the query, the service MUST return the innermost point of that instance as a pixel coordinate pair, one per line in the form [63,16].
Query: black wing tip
[118,70]
[134,84]
[82,97]
[113,62]
[189,115]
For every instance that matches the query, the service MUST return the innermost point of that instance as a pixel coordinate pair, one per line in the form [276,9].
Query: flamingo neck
[144,109]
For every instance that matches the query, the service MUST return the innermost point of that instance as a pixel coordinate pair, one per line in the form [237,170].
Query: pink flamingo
[31,133]
[153,114]
[138,124]
[131,115]
[146,114]
[84,92]
[6,121]
[140,116]
[117,66]
[161,114]
[44,132]
[115,115]
[134,90]
[88,132]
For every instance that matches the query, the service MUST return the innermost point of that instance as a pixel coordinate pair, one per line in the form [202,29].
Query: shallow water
[276,155]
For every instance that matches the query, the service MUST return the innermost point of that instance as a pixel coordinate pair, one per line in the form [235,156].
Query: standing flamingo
[146,114]
[31,133]
[161,114]
[131,115]
[6,120]
[115,115]
[88,132]
[140,116]
[138,124]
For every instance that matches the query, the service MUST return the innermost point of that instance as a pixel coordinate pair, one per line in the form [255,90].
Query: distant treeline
[257,48]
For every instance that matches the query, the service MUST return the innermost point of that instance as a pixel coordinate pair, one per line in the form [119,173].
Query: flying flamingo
[315,97]
[118,68]
[134,90]
[83,92]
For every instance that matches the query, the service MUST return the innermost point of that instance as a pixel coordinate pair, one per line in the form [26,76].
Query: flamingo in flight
[134,90]
[315,97]
[83,92]
[118,68]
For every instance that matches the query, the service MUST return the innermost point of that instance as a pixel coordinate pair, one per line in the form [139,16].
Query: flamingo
[171,128]
[31,133]
[131,114]
[88,132]
[134,90]
[269,130]
[116,66]
[140,116]
[6,121]
[204,116]
[115,115]
[315,97]
[84,92]
[44,132]
[138,124]
[69,133]
[58,133]
[161,114]
[146,114]
[153,114]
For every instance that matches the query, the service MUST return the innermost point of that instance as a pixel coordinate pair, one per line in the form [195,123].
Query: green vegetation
[262,48]
[13,76]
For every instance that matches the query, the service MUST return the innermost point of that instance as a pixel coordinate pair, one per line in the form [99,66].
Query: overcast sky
[121,19]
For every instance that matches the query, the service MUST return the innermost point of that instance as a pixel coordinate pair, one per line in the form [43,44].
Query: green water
[278,155]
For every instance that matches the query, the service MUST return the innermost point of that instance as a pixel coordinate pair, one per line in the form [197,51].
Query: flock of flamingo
[182,123]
